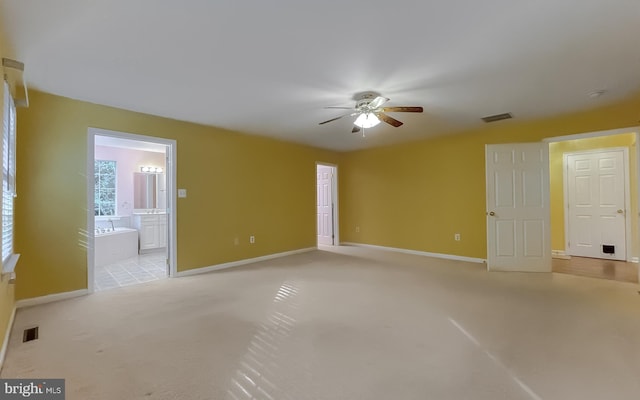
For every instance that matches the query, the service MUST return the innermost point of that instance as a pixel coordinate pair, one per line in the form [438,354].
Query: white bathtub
[114,246]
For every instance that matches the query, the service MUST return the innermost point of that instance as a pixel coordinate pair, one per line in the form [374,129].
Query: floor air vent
[497,117]
[30,334]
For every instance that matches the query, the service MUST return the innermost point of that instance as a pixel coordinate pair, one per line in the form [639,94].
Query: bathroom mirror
[149,190]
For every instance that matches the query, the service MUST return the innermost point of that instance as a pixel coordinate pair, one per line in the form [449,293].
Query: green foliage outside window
[105,187]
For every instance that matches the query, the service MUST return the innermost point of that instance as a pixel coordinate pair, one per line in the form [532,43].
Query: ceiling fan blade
[341,108]
[377,102]
[391,121]
[355,129]
[402,109]
[333,119]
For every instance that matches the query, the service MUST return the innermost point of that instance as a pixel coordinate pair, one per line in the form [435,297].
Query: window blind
[8,172]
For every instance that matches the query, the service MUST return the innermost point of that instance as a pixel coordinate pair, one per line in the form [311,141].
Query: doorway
[130,217]
[625,137]
[327,204]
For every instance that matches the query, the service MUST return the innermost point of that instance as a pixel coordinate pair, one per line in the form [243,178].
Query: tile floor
[140,269]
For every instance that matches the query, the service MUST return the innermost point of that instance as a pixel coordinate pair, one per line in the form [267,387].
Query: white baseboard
[635,260]
[561,254]
[34,301]
[7,334]
[420,253]
[204,270]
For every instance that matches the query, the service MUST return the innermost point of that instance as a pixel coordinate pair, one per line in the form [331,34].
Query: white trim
[334,200]
[172,176]
[627,192]
[35,301]
[10,265]
[561,254]
[91,224]
[7,335]
[420,253]
[204,270]
[635,260]
[586,135]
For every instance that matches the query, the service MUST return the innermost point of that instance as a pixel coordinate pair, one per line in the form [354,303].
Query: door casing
[171,174]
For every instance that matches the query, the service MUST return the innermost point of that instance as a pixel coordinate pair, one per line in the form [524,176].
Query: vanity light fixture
[151,170]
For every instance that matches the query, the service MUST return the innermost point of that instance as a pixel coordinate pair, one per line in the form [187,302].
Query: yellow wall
[7,298]
[238,185]
[417,195]
[414,195]
[556,151]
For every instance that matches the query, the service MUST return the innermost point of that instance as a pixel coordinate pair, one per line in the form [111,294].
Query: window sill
[10,264]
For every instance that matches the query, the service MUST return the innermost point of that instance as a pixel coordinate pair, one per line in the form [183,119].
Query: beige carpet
[351,324]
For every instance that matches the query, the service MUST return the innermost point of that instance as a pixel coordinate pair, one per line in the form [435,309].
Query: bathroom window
[8,178]
[105,187]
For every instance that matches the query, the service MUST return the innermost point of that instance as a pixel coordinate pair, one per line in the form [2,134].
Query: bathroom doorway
[131,218]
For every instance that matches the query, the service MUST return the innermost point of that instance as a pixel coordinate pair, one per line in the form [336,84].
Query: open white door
[518,219]
[325,204]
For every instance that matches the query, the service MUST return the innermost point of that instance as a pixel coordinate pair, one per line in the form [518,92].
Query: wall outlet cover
[182,193]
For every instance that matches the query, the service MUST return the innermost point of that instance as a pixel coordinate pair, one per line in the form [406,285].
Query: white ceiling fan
[370,111]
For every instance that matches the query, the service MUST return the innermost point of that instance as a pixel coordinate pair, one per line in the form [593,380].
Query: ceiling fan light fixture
[367,120]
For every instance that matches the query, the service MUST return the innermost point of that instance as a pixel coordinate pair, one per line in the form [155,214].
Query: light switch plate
[182,193]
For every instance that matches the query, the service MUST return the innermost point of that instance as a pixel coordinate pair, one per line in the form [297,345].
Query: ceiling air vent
[497,117]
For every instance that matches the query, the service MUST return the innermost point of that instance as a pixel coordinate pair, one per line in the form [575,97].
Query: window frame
[9,135]
[97,203]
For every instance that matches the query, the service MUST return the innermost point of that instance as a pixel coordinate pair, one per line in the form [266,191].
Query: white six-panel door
[324,203]
[596,221]
[518,232]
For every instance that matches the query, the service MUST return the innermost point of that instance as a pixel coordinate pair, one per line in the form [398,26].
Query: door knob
[620,212]
[492,214]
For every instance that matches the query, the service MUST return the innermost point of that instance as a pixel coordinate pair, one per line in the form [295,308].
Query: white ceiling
[269,67]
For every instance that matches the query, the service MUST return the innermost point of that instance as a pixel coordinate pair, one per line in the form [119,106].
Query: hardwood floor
[597,268]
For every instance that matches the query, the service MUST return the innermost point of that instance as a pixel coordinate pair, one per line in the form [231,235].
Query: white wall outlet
[456,237]
[252,239]
[182,193]
[357,229]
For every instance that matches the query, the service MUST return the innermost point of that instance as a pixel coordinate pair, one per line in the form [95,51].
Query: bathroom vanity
[152,229]
[149,215]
